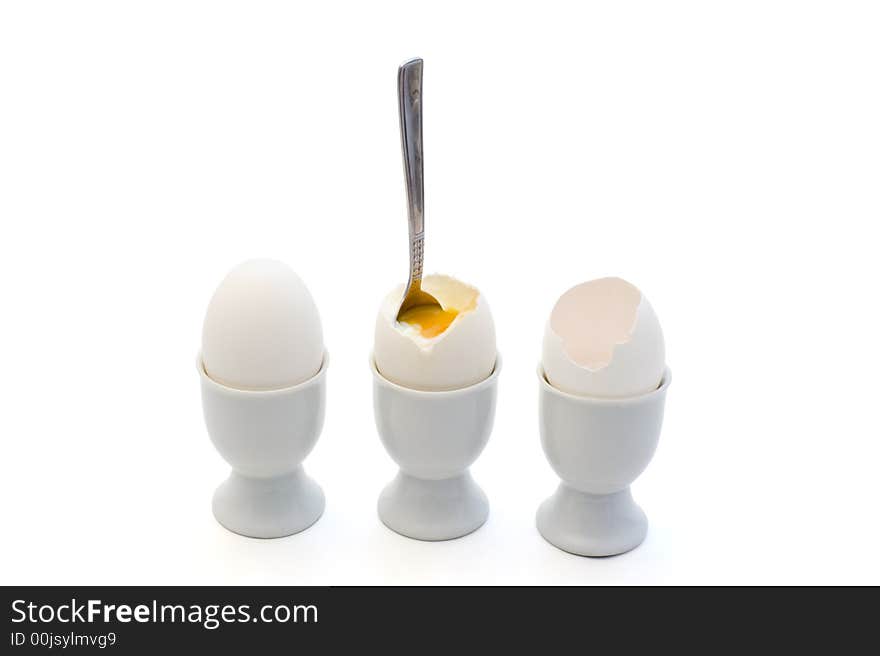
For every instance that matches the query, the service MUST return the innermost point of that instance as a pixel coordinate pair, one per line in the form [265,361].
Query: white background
[724,157]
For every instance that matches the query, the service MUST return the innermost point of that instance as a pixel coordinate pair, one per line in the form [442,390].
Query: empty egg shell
[604,340]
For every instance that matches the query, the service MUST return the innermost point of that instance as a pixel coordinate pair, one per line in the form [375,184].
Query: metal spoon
[409,97]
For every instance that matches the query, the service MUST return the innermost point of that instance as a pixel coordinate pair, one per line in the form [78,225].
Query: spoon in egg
[418,307]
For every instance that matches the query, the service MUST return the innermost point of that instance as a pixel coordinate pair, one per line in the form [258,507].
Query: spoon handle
[409,96]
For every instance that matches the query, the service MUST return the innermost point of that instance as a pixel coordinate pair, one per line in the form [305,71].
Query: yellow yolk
[431,320]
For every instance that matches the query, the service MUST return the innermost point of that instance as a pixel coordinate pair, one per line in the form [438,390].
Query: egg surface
[436,349]
[262,329]
[604,340]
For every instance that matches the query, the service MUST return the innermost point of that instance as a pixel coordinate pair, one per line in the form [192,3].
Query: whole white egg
[419,357]
[262,329]
[604,340]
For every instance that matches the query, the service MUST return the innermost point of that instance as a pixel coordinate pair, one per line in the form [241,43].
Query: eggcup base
[272,507]
[594,525]
[433,510]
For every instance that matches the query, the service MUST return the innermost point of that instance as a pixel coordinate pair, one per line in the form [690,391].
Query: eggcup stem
[592,524]
[268,507]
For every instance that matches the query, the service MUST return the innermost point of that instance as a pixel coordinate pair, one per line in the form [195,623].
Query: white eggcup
[434,437]
[265,435]
[598,447]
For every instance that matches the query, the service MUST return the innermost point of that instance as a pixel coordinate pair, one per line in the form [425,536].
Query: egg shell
[623,357]
[262,329]
[463,355]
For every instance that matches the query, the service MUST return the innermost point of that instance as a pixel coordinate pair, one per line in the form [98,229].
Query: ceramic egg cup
[598,447]
[265,436]
[434,437]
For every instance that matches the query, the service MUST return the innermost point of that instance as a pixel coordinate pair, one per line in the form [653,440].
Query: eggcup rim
[274,391]
[607,401]
[434,394]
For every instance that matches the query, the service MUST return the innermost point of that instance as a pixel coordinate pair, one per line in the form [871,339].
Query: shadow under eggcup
[265,435]
[598,447]
[434,437]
